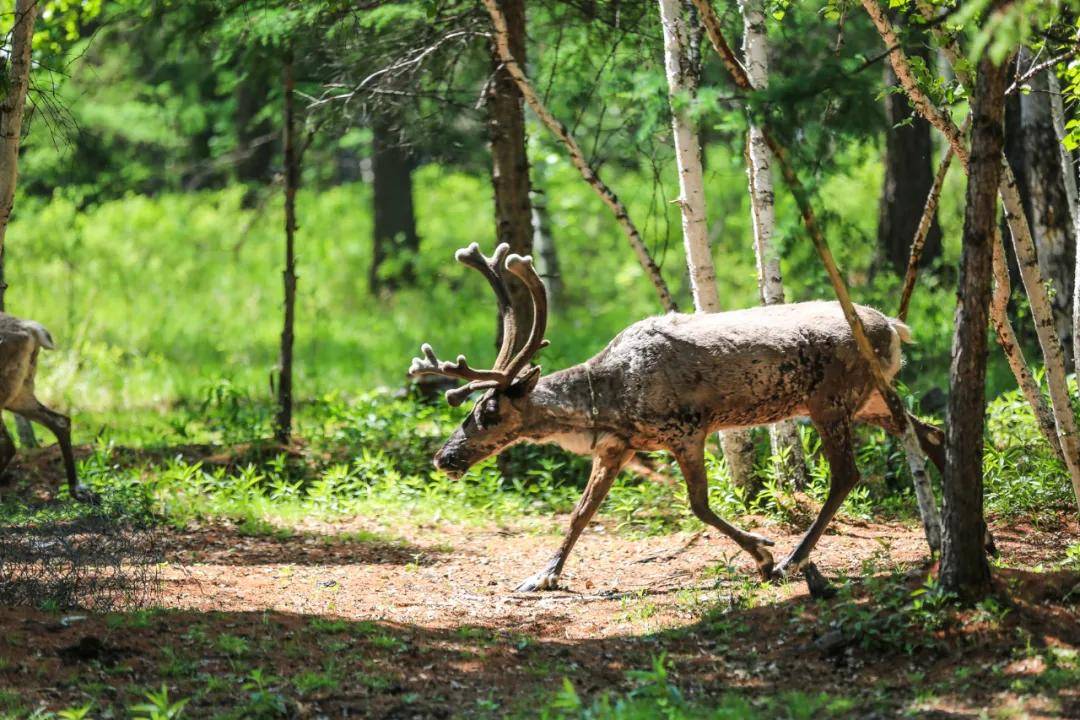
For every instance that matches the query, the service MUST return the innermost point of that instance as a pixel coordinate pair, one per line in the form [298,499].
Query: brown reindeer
[20,341]
[667,383]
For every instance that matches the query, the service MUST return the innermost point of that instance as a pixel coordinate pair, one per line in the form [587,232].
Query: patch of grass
[232,645]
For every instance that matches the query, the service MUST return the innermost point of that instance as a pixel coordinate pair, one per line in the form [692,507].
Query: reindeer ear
[525,383]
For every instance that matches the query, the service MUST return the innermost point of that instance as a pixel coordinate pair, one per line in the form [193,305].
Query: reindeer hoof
[819,587]
[543,580]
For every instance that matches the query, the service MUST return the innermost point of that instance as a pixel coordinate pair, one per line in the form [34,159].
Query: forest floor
[363,618]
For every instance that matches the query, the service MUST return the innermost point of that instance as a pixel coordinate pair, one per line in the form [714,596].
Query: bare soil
[423,622]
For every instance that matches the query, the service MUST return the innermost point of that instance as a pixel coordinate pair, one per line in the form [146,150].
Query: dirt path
[441,577]
[351,620]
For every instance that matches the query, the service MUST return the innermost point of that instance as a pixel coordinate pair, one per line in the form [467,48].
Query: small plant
[159,706]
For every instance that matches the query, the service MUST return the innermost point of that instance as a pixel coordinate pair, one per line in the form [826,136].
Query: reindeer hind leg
[692,462]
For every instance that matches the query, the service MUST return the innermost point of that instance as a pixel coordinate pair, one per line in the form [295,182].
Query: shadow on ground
[798,658]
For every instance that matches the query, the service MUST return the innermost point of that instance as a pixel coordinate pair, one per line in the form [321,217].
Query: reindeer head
[496,420]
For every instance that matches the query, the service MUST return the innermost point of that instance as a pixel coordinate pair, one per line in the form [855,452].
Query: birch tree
[784,435]
[738,445]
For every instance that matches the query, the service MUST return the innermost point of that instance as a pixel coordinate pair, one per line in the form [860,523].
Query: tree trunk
[509,160]
[964,570]
[547,257]
[909,177]
[738,445]
[394,237]
[784,436]
[283,422]
[577,157]
[1068,164]
[1037,164]
[16,67]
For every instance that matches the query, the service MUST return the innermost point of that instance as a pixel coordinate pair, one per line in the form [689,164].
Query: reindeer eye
[488,413]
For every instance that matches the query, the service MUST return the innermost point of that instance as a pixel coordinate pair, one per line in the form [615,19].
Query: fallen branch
[577,157]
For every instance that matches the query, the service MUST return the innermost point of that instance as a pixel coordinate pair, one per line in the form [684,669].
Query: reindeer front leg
[608,460]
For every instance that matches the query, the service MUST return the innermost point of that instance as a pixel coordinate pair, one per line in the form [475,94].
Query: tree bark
[394,235]
[909,178]
[547,256]
[1037,165]
[783,436]
[509,159]
[17,69]
[283,421]
[577,157]
[11,115]
[964,569]
[1068,164]
[738,445]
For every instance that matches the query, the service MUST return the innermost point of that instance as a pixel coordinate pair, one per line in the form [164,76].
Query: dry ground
[354,619]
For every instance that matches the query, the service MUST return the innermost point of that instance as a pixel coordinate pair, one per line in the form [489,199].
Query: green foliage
[654,695]
[159,706]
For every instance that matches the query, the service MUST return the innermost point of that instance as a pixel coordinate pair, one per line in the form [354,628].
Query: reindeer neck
[568,401]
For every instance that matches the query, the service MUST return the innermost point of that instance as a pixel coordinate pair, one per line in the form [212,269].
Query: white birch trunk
[737,444]
[784,436]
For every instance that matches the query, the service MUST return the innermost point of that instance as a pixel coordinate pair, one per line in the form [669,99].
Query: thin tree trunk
[509,159]
[738,445]
[577,157]
[783,436]
[1068,165]
[907,183]
[923,492]
[964,570]
[999,318]
[16,68]
[1041,177]
[1023,245]
[547,256]
[283,422]
[394,238]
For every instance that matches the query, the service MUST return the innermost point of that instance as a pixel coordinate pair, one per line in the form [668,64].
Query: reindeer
[20,341]
[668,383]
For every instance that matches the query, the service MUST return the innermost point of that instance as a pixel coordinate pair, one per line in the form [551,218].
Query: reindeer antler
[510,360]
